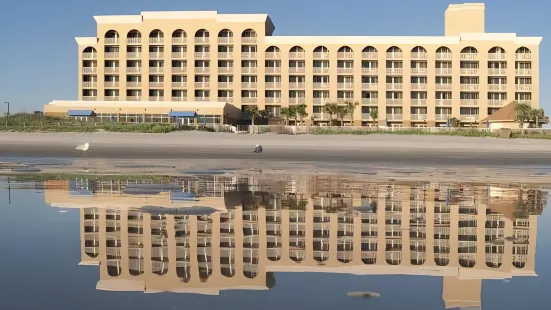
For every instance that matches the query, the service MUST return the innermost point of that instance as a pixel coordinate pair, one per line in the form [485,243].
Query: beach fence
[326,130]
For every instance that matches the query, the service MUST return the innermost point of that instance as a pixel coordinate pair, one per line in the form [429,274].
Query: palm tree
[374,113]
[536,115]
[455,123]
[253,112]
[331,108]
[523,113]
[350,108]
[341,113]
[301,112]
[286,113]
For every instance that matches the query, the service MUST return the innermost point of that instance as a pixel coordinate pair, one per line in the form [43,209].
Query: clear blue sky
[38,59]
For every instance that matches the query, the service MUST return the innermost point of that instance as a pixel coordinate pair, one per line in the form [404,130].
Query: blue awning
[182,196]
[182,114]
[80,113]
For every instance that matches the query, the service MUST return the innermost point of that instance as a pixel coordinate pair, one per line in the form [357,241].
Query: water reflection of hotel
[315,225]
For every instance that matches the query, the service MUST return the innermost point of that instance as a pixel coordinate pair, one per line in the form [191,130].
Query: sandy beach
[383,155]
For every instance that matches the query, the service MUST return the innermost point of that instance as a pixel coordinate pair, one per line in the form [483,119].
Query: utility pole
[8,113]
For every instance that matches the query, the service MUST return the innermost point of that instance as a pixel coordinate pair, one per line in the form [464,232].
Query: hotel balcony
[468,118]
[272,55]
[157,40]
[248,55]
[496,103]
[297,100]
[394,86]
[469,102]
[497,87]
[249,70]
[373,71]
[225,69]
[394,102]
[523,72]
[470,71]
[443,103]
[443,117]
[443,71]
[394,55]
[345,55]
[225,99]
[494,71]
[297,69]
[89,98]
[321,116]
[394,71]
[248,100]
[469,87]
[133,69]
[273,100]
[370,86]
[225,40]
[272,70]
[468,56]
[523,56]
[418,102]
[273,85]
[156,98]
[297,85]
[202,69]
[156,84]
[370,101]
[179,98]
[297,55]
[89,84]
[179,84]
[443,56]
[179,69]
[156,69]
[134,41]
[523,87]
[88,70]
[111,98]
[366,117]
[345,70]
[322,85]
[133,55]
[370,55]
[394,117]
[225,55]
[447,86]
[419,55]
[419,71]
[110,55]
[201,40]
[201,85]
[202,55]
[179,40]
[179,55]
[497,56]
[318,70]
[225,84]
[345,86]
[528,102]
[89,56]
[321,101]
[248,40]
[249,85]
[111,41]
[133,84]
[133,98]
[111,84]
[202,99]
[418,117]
[321,55]
[419,86]
[111,70]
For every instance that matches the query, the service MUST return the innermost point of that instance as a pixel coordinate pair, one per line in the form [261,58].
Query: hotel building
[453,231]
[167,66]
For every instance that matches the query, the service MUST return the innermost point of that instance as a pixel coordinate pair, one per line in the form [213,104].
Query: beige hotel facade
[159,66]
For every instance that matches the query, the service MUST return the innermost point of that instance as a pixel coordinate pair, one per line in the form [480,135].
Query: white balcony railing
[297,100]
[156,55]
[468,71]
[272,55]
[156,84]
[111,40]
[225,84]
[370,101]
[179,55]
[443,56]
[179,69]
[419,86]
[297,55]
[468,118]
[394,55]
[225,69]
[443,117]
[178,40]
[370,55]
[345,70]
[248,40]
[225,99]
[133,98]
[249,100]
[443,86]
[394,86]
[321,101]
[296,85]
[322,85]
[133,69]
[497,87]
[111,98]
[202,99]
[394,117]
[202,69]
[523,72]
[273,85]
[523,87]
[157,40]
[248,55]
[419,71]
[468,102]
[89,70]
[201,85]
[394,101]
[397,71]
[225,40]
[370,70]
[346,86]
[419,55]
[273,100]
[497,56]
[370,86]
[297,69]
[89,98]
[156,98]
[225,55]
[111,69]
[133,41]
[156,69]
[179,98]
[443,71]
[419,102]
[133,84]
[345,55]
[200,40]
[249,85]
[468,87]
[321,55]
[89,84]
[418,117]
[496,102]
[249,69]
[109,55]
[273,70]
[321,70]
[468,56]
[179,84]
[523,56]
[133,55]
[202,55]
[496,71]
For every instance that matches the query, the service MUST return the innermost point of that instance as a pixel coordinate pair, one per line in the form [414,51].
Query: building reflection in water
[310,224]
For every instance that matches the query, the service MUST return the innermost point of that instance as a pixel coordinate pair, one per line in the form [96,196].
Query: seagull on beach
[258,148]
[83,147]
